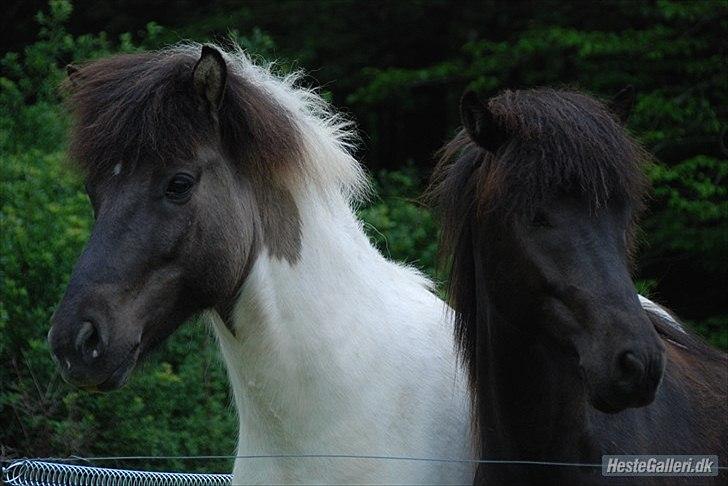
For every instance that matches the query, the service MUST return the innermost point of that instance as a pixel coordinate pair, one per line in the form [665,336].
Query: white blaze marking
[68,364]
[95,353]
[117,169]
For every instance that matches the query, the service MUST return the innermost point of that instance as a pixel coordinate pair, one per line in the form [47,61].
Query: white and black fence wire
[59,471]
[31,472]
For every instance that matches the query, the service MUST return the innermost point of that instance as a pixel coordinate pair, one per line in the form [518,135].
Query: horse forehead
[207,154]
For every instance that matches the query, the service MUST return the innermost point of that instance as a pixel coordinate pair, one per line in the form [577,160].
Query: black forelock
[559,141]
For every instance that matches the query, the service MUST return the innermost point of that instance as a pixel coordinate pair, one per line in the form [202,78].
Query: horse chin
[619,404]
[614,402]
[598,400]
[120,376]
[605,406]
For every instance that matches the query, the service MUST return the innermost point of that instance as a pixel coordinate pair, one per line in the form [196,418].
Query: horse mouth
[119,377]
[596,400]
[618,403]
[604,405]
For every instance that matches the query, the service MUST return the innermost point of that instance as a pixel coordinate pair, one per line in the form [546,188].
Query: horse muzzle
[632,383]
[87,360]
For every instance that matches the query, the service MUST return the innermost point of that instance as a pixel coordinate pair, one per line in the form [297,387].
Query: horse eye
[540,220]
[179,187]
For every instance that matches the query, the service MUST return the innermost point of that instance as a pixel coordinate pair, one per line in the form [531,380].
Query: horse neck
[310,337]
[531,404]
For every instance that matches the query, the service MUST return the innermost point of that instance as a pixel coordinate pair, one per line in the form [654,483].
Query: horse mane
[559,141]
[141,108]
[452,192]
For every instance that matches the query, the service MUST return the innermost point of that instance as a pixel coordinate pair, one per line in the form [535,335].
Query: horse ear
[71,72]
[623,102]
[480,123]
[209,77]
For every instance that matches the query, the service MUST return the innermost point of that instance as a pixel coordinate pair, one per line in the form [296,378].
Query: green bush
[397,221]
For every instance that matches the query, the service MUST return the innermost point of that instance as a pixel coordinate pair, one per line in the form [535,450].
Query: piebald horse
[221,188]
[538,198]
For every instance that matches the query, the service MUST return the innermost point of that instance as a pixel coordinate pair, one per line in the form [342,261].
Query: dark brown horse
[538,197]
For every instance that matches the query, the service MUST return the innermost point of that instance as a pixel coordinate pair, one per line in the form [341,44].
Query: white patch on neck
[117,169]
[348,350]
[650,306]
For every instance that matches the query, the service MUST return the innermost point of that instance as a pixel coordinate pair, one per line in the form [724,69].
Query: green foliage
[714,330]
[696,208]
[397,221]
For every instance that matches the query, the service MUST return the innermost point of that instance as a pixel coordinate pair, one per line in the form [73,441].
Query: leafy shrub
[398,223]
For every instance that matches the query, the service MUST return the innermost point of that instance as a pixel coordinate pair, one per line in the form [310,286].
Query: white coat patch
[650,306]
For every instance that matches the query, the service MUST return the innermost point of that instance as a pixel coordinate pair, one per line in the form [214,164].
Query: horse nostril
[88,342]
[631,368]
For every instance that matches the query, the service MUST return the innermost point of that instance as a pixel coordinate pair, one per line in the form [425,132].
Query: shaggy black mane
[558,141]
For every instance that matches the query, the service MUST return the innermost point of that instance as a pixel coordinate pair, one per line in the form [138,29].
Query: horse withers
[538,199]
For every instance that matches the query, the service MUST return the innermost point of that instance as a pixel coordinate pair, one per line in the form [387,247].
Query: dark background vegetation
[397,69]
